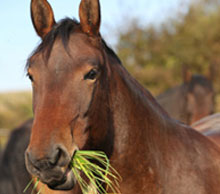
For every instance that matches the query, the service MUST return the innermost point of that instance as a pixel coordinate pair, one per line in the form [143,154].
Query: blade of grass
[28,185]
[35,186]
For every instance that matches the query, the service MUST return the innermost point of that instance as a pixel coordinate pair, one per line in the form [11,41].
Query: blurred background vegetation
[15,108]
[154,55]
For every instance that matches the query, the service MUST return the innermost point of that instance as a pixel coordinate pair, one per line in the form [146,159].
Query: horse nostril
[55,156]
[31,163]
[62,158]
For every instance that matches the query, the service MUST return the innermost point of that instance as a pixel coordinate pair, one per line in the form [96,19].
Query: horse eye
[91,75]
[30,77]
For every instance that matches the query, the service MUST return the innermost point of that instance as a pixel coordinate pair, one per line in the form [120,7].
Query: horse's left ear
[90,17]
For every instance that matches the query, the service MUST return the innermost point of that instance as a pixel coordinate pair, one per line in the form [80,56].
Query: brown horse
[190,101]
[83,98]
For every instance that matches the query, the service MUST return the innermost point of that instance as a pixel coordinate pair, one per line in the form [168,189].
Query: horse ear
[90,17]
[187,75]
[211,72]
[42,17]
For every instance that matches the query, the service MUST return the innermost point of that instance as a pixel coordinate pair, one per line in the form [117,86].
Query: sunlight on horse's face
[63,91]
[200,102]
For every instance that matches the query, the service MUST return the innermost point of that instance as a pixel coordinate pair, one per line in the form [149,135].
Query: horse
[190,101]
[14,176]
[84,99]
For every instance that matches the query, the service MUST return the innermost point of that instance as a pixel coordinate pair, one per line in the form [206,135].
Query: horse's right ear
[42,17]
[187,74]
[211,74]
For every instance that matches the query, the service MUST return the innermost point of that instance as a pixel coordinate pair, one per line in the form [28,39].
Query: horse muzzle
[53,169]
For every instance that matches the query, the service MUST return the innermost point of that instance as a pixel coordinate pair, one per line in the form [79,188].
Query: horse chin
[68,183]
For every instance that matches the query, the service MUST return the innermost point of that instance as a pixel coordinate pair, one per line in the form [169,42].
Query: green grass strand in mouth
[96,175]
[95,166]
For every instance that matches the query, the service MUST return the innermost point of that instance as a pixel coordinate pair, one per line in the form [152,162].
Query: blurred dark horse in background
[13,174]
[83,98]
[191,101]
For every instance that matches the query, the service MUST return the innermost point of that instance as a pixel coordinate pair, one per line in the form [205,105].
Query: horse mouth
[66,183]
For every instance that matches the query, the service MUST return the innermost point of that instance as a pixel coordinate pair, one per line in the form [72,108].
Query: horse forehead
[78,49]
[201,90]
[77,54]
[80,44]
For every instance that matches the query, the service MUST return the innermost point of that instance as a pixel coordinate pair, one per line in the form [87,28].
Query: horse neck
[137,117]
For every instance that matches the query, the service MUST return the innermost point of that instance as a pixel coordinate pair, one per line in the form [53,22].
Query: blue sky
[18,38]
